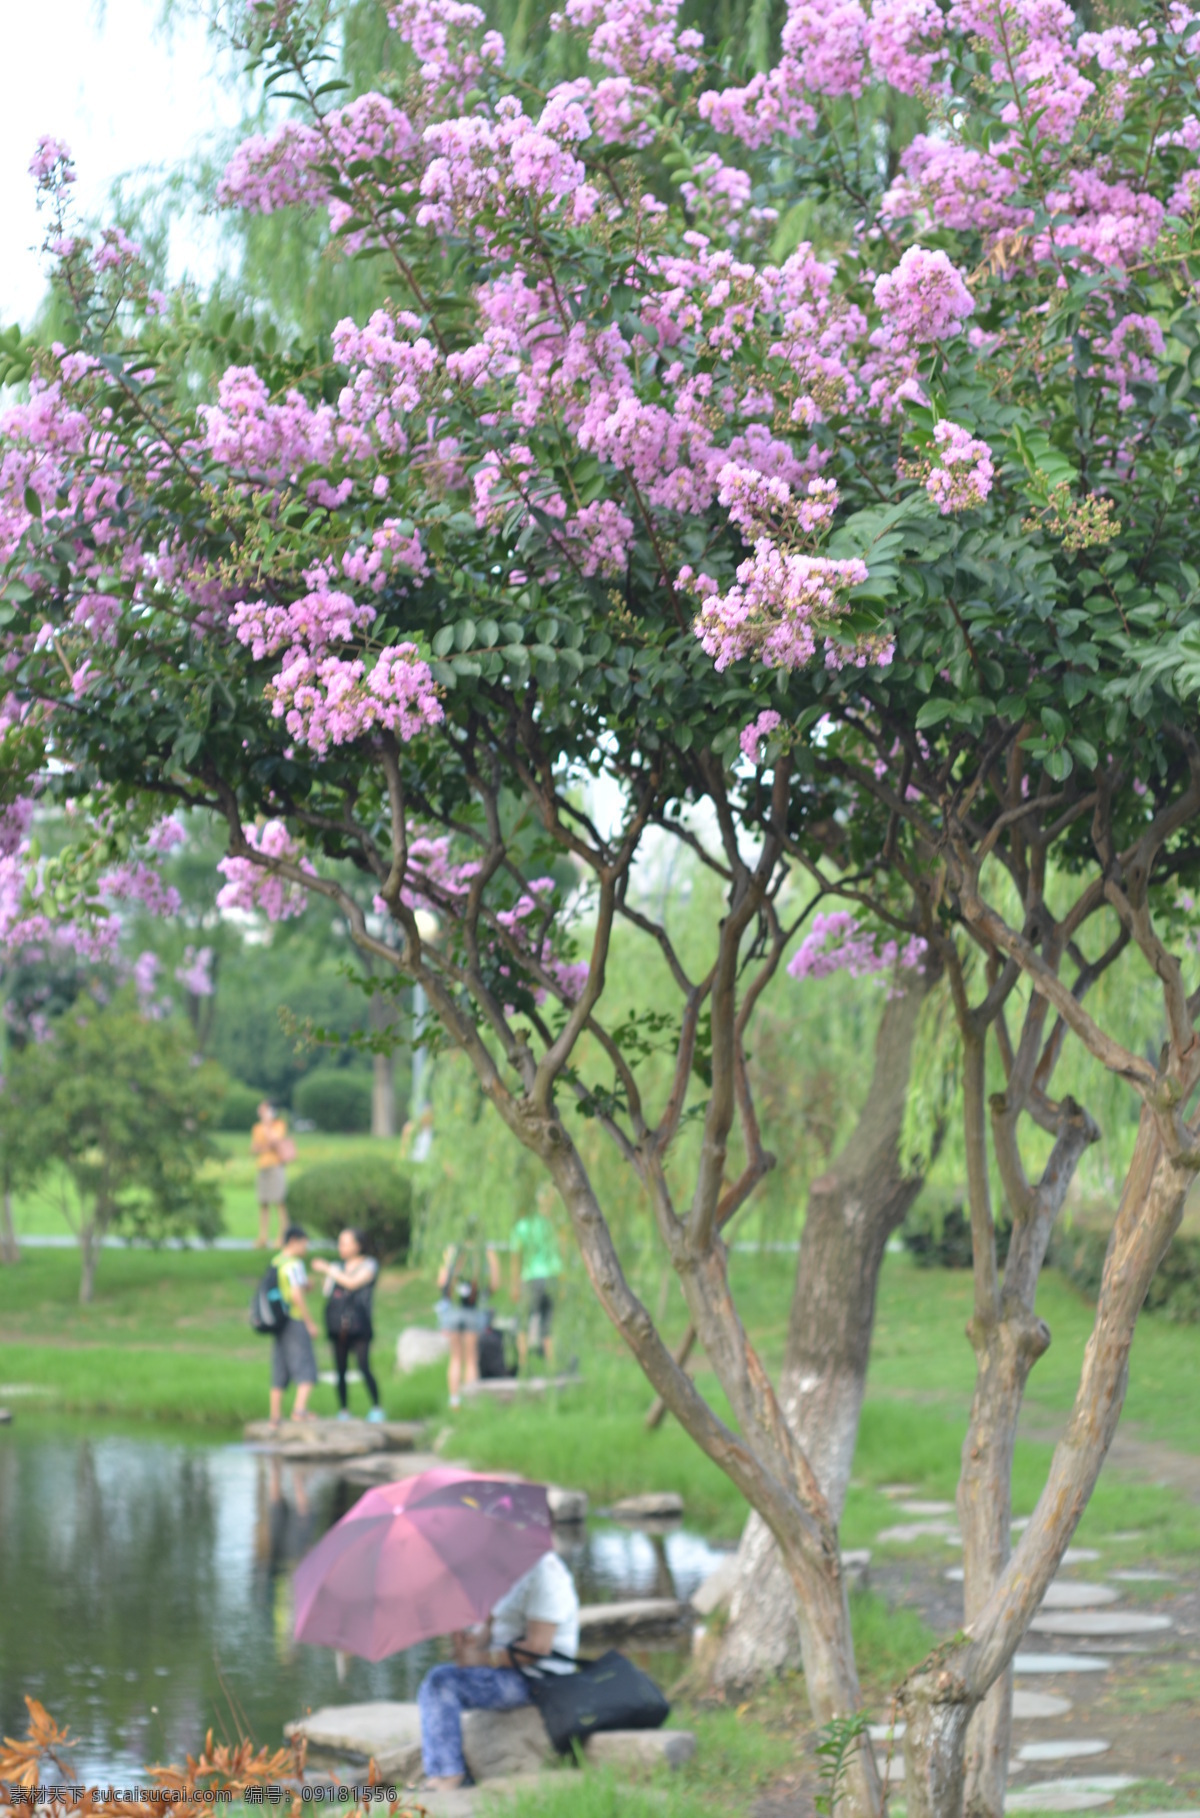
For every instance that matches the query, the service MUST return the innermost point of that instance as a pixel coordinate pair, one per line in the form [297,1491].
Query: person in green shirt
[536,1267]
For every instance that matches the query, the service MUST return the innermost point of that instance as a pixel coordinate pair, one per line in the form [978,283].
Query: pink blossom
[195,974]
[52,163]
[837,943]
[757,732]
[924,299]
[965,475]
[253,886]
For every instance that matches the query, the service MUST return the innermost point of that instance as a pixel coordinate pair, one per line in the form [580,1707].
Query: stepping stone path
[921,1530]
[1077,1594]
[1059,1663]
[1138,1577]
[1104,1623]
[660,1504]
[321,1439]
[1074,1749]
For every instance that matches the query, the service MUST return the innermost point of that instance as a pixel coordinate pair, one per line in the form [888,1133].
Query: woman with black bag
[348,1290]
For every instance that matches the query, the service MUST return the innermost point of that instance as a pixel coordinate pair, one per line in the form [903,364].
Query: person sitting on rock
[539,1616]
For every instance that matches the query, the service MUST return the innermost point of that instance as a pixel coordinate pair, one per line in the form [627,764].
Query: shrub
[239,1107]
[335,1099]
[942,1239]
[367,1193]
[1174,1291]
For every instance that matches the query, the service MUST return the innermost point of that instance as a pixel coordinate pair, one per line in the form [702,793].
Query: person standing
[293,1359]
[470,1271]
[349,1285]
[272,1149]
[538,1616]
[537,1262]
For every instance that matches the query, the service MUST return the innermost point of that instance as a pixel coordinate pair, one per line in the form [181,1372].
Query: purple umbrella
[419,1558]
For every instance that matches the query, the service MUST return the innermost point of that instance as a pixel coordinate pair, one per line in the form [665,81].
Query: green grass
[167,1339]
[40,1213]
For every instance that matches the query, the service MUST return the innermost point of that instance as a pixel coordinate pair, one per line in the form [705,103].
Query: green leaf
[464,634]
[33,504]
[933,713]
[443,641]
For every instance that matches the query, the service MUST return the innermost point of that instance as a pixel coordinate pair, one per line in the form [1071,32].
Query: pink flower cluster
[1131,354]
[906,41]
[52,165]
[334,700]
[634,38]
[924,299]
[754,736]
[776,609]
[253,887]
[448,41]
[965,475]
[195,974]
[837,943]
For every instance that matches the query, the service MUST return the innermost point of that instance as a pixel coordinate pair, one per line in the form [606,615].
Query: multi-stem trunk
[852,1211]
[941,1697]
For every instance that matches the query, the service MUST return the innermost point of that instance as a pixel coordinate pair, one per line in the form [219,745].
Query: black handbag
[606,1694]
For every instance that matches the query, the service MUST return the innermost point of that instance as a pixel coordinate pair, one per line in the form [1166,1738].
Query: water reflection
[146,1591]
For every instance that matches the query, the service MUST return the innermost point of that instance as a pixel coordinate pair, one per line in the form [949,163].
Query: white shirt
[545,1594]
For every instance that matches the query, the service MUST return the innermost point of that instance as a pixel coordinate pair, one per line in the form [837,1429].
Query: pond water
[145,1591]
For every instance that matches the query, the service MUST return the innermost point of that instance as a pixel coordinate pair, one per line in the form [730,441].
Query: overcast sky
[123,93]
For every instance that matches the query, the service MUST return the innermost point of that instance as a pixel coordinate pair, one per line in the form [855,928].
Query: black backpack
[268,1312]
[348,1314]
[497,1356]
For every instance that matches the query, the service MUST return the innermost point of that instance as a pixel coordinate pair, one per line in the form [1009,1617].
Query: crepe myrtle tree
[809,557]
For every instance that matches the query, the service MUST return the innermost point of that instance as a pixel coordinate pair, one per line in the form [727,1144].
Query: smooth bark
[90,1236]
[9,1248]
[940,1699]
[852,1211]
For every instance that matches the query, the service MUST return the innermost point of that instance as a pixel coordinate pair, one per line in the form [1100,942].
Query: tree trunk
[9,1248]
[941,1697]
[852,1211]
[90,1236]
[383,1096]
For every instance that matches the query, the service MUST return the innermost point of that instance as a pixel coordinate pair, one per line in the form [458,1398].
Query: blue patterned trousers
[445,1694]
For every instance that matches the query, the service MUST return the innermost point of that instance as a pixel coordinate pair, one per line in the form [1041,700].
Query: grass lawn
[40,1212]
[167,1339]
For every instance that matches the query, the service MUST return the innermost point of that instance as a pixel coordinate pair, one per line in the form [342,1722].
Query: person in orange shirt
[272,1149]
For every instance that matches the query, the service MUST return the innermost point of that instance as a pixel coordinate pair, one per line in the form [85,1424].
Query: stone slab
[1027,1706]
[316,1439]
[1032,1799]
[6,1417]
[383,1730]
[856,1567]
[419,1346]
[1070,1748]
[1046,1795]
[500,1743]
[925,1508]
[1063,1594]
[566,1506]
[507,1388]
[1059,1663]
[639,1751]
[470,1801]
[1100,1622]
[636,1616]
[893,1490]
[1077,1594]
[661,1504]
[390,1467]
[1080,1556]
[906,1531]
[1137,1576]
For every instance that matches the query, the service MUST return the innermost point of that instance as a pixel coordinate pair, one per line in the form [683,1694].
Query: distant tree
[116,1100]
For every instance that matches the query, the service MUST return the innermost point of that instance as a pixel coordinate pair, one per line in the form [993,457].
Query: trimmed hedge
[335,1099]
[367,1193]
[239,1107]
[1174,1291]
[942,1240]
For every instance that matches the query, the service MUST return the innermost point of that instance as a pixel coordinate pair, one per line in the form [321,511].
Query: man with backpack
[293,1359]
